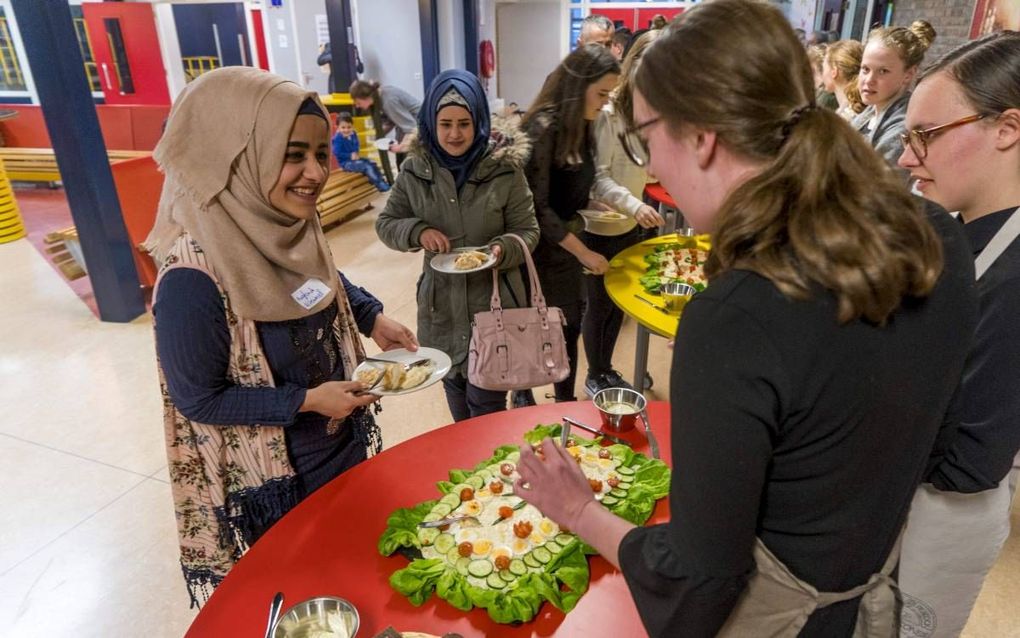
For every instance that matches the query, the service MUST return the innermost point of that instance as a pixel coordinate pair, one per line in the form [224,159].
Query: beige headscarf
[222,153]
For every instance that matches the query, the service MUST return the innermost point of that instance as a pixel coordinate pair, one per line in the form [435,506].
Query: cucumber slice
[441,510]
[475,481]
[495,581]
[431,516]
[480,568]
[444,543]
[564,539]
[623,470]
[542,555]
[609,500]
[508,576]
[618,493]
[451,500]
[553,547]
[514,457]
[626,480]
[462,565]
[518,567]
[529,560]
[458,488]
[453,556]
[428,536]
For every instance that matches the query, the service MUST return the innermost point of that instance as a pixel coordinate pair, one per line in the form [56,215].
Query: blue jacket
[343,147]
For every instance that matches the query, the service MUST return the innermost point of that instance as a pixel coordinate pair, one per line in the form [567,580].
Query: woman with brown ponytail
[889,64]
[840,68]
[809,379]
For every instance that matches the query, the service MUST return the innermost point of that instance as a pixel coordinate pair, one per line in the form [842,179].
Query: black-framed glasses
[918,139]
[634,145]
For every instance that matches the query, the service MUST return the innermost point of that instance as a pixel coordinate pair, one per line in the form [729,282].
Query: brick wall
[951,19]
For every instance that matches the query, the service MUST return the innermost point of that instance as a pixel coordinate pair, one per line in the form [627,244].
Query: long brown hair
[845,56]
[364,90]
[623,96]
[825,211]
[563,97]
[987,70]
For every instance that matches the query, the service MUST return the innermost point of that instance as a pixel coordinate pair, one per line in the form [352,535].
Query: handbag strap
[537,298]
[998,245]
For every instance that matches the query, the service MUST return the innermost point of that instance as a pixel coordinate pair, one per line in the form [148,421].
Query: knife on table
[588,428]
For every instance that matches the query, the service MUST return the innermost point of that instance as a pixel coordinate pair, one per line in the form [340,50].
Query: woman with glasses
[619,183]
[561,173]
[963,149]
[889,65]
[809,379]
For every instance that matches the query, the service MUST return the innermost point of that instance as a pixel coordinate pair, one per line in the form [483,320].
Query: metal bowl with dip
[320,617]
[619,408]
[676,295]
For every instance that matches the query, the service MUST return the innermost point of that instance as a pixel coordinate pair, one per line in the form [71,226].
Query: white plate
[439,358]
[597,224]
[383,144]
[444,262]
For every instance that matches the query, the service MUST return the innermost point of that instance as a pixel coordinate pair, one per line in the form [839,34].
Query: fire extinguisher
[486,62]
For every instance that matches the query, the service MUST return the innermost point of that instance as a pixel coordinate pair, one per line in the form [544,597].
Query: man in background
[596,29]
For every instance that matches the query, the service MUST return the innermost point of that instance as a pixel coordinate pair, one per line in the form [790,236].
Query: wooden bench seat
[40,164]
[345,195]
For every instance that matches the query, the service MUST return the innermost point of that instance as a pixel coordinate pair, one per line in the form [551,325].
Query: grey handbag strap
[998,245]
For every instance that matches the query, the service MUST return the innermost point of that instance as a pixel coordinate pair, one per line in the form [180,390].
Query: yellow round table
[624,287]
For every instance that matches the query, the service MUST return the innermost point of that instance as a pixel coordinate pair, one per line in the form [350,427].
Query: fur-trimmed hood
[507,144]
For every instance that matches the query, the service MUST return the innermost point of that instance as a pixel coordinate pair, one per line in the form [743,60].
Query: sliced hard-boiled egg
[483,494]
[575,451]
[537,538]
[606,464]
[482,547]
[521,546]
[547,527]
[472,508]
[501,551]
[463,535]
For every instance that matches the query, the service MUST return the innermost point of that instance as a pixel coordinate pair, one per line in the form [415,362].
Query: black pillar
[66,100]
[341,44]
[429,41]
[471,35]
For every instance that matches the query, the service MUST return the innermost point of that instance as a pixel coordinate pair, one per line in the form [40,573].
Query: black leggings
[572,312]
[602,317]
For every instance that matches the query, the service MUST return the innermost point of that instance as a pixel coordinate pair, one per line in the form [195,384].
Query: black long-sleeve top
[559,191]
[793,428]
[979,453]
[193,343]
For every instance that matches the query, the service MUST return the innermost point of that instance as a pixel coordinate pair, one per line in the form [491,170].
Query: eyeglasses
[639,154]
[918,140]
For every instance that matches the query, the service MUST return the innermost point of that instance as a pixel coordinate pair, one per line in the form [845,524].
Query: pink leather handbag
[518,348]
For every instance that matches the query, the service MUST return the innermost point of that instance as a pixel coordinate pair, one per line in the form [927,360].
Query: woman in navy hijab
[461,186]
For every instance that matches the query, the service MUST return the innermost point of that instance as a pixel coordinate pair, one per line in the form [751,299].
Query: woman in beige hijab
[256,331]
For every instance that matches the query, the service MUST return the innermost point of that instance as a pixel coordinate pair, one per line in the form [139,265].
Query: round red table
[327,545]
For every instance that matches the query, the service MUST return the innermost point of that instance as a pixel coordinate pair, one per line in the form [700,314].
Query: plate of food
[402,371]
[462,261]
[606,222]
[675,263]
[506,557]
[384,143]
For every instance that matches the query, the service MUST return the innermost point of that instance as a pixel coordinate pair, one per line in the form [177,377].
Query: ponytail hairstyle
[825,212]
[910,44]
[364,90]
[845,56]
[563,97]
[623,96]
[987,70]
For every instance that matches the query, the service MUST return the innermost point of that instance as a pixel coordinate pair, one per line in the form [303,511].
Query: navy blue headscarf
[470,89]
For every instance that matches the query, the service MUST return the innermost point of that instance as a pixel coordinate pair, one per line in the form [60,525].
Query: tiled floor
[87,536]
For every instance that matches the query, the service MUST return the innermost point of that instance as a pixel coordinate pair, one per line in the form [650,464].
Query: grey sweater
[885,137]
[401,107]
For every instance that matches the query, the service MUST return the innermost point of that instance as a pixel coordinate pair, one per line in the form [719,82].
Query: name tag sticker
[310,293]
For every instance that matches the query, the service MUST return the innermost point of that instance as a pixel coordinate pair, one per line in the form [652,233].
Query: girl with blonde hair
[841,65]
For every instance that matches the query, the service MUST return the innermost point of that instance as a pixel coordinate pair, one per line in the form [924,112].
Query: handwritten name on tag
[310,293]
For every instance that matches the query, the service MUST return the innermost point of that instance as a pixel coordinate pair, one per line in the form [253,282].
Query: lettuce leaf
[402,528]
[417,580]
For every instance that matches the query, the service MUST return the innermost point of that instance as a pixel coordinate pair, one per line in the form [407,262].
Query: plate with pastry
[461,261]
[397,372]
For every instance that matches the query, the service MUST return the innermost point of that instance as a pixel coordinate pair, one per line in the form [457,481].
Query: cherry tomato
[506,469]
[522,529]
[605,454]
[613,482]
[596,485]
[571,443]
[496,487]
[502,562]
[467,494]
[465,549]
[506,511]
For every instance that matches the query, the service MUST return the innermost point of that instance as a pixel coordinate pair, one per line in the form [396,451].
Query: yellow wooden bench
[40,164]
[64,249]
[345,195]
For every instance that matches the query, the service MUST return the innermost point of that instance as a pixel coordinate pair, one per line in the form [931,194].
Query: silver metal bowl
[676,295]
[612,420]
[301,617]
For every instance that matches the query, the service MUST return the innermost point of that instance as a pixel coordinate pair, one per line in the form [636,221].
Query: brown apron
[777,604]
